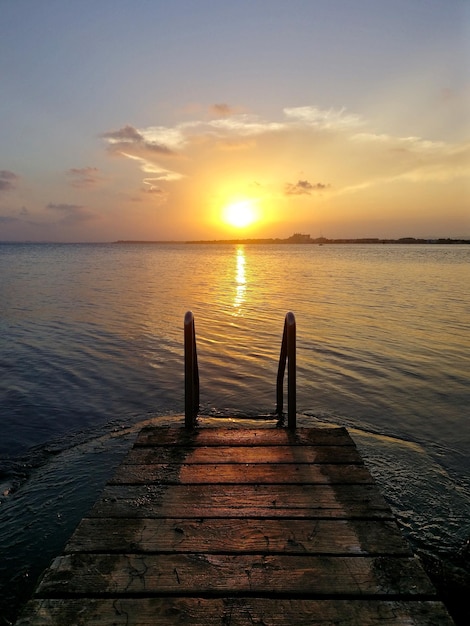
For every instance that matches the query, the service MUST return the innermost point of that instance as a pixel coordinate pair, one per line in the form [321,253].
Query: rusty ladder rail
[191,372]
[288,353]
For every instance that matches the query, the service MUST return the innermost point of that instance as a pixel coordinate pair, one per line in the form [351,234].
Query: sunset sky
[204,119]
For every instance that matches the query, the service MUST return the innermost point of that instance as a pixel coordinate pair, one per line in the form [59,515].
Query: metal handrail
[288,349]
[288,355]
[191,372]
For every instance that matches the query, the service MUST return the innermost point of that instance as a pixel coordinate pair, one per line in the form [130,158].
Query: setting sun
[240,214]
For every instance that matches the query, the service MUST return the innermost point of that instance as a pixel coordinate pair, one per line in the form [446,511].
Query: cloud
[222,110]
[302,187]
[325,119]
[83,177]
[409,159]
[127,134]
[153,188]
[70,213]
[18,216]
[400,144]
[156,190]
[159,195]
[7,180]
[228,132]
[64,208]
[143,141]
[242,125]
[150,167]
[7,175]
[219,157]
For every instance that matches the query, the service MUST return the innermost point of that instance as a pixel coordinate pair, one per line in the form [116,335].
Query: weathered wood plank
[221,574]
[234,526]
[195,501]
[241,473]
[233,612]
[336,436]
[245,454]
[238,536]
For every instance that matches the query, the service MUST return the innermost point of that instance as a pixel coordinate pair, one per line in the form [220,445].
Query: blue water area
[92,349]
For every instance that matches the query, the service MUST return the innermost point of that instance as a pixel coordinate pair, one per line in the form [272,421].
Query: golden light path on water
[240,278]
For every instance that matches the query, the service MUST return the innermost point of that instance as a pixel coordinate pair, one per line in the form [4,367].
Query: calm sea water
[92,349]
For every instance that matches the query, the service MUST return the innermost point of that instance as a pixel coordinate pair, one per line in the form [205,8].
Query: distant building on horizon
[299,238]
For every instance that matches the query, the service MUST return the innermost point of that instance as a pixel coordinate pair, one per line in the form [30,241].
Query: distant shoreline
[305,241]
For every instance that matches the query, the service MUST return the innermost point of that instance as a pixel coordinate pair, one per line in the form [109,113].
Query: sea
[92,350]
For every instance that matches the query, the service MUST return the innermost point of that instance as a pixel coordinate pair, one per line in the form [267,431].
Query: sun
[240,214]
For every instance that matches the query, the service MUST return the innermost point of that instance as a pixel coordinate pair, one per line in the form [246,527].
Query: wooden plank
[233,612]
[241,473]
[227,527]
[195,501]
[151,436]
[221,574]
[238,535]
[245,454]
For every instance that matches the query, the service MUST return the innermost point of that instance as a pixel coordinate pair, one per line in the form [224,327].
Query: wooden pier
[265,526]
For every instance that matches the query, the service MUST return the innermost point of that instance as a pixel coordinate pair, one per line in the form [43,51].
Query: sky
[204,119]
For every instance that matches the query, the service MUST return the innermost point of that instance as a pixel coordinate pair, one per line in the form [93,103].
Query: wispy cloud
[159,195]
[303,187]
[325,119]
[400,144]
[150,167]
[70,213]
[222,110]
[339,150]
[84,177]
[8,180]
[408,159]
[16,216]
[8,219]
[242,125]
[64,207]
[143,141]
[153,189]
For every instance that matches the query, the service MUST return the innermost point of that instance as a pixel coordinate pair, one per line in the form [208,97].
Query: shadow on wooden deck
[238,526]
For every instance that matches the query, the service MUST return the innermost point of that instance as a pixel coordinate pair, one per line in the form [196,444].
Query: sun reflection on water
[240,279]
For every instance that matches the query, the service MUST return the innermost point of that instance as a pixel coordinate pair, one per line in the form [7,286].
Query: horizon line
[297,238]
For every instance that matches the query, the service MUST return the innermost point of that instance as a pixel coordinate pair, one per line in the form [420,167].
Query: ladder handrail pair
[288,355]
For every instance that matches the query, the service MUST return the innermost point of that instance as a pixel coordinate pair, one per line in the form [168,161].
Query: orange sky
[314,170]
[148,120]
